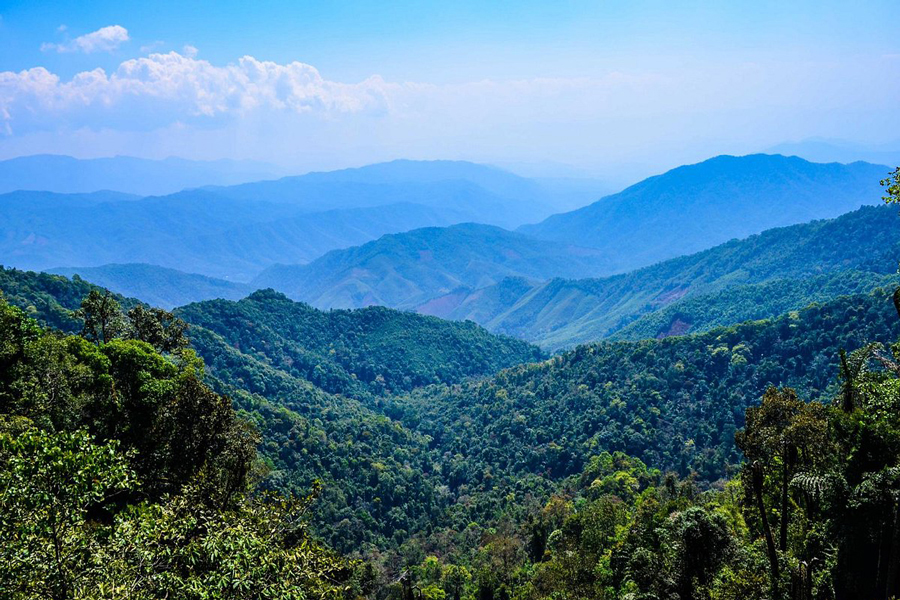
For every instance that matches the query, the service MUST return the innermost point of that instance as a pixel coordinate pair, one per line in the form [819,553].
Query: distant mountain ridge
[140,176]
[684,211]
[157,286]
[824,151]
[698,206]
[487,194]
[235,232]
[404,270]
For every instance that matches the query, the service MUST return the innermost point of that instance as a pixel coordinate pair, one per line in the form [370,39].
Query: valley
[462,394]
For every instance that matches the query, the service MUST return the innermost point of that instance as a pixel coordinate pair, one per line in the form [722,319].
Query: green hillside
[673,403]
[407,269]
[471,470]
[798,265]
[123,475]
[271,355]
[373,350]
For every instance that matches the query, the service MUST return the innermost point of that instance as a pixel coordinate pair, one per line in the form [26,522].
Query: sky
[613,90]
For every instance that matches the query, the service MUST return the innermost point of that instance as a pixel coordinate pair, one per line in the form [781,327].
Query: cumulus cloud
[175,103]
[164,88]
[105,39]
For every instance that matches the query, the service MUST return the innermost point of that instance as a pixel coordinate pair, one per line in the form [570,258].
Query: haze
[615,90]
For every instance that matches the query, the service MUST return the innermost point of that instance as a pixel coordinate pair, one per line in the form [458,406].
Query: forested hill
[698,206]
[378,485]
[406,269]
[375,350]
[50,298]
[757,277]
[674,403]
[123,475]
[448,468]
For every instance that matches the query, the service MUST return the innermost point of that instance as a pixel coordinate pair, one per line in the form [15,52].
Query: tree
[258,548]
[891,185]
[48,485]
[782,435]
[102,316]
[159,328]
[455,579]
[700,543]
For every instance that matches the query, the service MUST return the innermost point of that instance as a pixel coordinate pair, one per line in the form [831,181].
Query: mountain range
[695,207]
[704,391]
[235,232]
[140,176]
[726,284]
[406,269]
[158,286]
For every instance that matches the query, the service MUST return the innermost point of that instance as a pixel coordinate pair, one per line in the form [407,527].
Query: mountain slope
[157,286]
[486,194]
[695,207]
[365,351]
[193,231]
[673,403]
[561,313]
[234,232]
[65,174]
[377,474]
[407,269]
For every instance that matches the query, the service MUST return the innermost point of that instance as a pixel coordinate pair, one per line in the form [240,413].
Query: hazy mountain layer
[235,232]
[158,286]
[695,207]
[64,174]
[193,231]
[407,269]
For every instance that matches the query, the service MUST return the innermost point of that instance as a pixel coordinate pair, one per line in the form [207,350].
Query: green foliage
[258,549]
[674,403]
[102,315]
[891,186]
[155,406]
[701,313]
[49,483]
[123,475]
[373,350]
[51,299]
[158,327]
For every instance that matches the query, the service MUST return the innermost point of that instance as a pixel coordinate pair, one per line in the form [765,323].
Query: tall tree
[102,316]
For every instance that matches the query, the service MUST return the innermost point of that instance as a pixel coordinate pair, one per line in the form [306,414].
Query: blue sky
[605,87]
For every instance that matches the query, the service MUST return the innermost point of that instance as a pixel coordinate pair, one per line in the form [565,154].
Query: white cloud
[175,103]
[164,88]
[190,51]
[105,39]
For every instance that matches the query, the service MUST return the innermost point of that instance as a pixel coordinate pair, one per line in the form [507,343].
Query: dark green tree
[159,328]
[103,319]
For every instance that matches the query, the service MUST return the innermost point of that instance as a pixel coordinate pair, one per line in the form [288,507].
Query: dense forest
[123,475]
[222,450]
